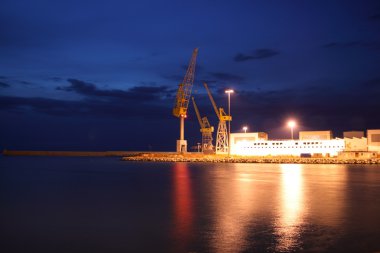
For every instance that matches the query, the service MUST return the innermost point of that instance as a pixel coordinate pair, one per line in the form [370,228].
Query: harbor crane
[206,130]
[222,144]
[182,101]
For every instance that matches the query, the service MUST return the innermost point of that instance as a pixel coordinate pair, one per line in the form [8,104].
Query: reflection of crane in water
[206,131]
[182,101]
[221,136]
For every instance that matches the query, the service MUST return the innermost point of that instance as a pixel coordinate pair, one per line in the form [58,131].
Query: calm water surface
[55,204]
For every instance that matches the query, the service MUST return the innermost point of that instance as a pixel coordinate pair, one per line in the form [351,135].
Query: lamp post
[229,91]
[291,124]
[245,128]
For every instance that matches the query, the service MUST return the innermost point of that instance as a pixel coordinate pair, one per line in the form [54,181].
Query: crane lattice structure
[206,130]
[222,134]
[182,101]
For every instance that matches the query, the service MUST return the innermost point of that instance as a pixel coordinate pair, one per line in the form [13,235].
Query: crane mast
[206,130]
[182,101]
[222,134]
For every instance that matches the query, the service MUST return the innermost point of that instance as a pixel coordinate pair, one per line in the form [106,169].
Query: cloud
[137,102]
[256,55]
[227,77]
[49,106]
[373,45]
[4,85]
[375,17]
[137,93]
[55,79]
[24,82]
[84,108]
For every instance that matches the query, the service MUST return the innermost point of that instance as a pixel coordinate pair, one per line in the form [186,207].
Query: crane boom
[182,101]
[222,116]
[197,113]
[212,100]
[206,130]
[184,88]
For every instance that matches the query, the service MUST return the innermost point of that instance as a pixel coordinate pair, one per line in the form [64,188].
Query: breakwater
[69,153]
[225,159]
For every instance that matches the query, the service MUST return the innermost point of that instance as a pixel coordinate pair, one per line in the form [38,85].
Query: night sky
[102,75]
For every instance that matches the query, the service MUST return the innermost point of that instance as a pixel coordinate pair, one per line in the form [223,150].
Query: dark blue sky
[103,74]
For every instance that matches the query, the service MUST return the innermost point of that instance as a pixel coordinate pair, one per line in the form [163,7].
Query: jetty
[194,157]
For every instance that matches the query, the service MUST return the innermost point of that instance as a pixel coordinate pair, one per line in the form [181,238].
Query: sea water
[63,204]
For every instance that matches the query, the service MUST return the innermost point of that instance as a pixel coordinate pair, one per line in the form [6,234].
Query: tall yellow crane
[222,135]
[206,130]
[182,101]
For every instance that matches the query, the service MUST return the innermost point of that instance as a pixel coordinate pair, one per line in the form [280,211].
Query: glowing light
[245,128]
[229,91]
[291,124]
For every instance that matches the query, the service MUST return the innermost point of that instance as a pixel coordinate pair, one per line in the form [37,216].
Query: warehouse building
[373,137]
[310,144]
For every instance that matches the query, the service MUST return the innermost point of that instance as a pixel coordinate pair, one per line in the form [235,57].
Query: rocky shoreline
[224,159]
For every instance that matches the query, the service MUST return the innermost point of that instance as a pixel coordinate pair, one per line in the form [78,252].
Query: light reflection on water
[183,205]
[234,204]
[105,205]
[292,207]
[248,202]
[327,190]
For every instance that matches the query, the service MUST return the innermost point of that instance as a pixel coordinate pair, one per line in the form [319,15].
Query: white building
[373,137]
[311,143]
[254,144]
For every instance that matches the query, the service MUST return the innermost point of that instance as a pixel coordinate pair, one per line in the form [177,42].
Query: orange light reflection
[292,209]
[235,205]
[183,205]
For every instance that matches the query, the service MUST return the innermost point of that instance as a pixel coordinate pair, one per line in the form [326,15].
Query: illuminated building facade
[311,143]
[373,140]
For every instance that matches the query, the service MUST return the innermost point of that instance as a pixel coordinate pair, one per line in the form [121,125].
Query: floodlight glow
[245,128]
[291,123]
[229,91]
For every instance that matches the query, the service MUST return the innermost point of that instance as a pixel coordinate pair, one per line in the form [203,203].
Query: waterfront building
[373,137]
[315,135]
[353,134]
[310,144]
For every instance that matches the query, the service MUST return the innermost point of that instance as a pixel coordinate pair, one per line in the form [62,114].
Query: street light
[245,128]
[229,91]
[291,124]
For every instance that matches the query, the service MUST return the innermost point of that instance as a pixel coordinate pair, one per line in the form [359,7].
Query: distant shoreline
[69,153]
